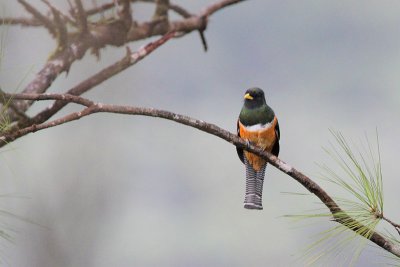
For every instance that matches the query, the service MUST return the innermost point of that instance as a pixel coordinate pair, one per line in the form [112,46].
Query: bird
[258,125]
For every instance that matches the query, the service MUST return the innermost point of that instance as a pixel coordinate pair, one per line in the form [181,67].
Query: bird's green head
[255,110]
[254,98]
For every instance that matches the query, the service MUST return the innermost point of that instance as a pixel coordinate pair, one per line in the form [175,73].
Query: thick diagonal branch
[213,129]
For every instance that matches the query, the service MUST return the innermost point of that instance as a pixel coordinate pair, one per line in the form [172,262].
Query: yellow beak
[248,96]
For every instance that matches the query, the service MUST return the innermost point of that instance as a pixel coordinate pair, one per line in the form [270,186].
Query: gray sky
[113,190]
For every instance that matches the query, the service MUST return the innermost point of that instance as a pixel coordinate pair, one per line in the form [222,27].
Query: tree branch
[37,15]
[81,17]
[128,60]
[395,225]
[99,35]
[67,98]
[161,11]
[91,108]
[60,26]
[20,21]
[208,11]
[33,22]
[125,12]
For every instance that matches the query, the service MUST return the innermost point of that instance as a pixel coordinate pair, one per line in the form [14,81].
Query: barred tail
[254,186]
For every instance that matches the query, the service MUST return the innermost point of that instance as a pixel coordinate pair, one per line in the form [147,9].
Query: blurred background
[117,190]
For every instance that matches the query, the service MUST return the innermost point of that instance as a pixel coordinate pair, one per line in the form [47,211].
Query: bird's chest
[261,135]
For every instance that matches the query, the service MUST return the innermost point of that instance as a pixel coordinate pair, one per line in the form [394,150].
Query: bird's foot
[248,143]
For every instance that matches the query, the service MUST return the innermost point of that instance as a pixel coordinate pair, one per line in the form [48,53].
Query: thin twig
[20,21]
[125,12]
[43,19]
[59,12]
[395,225]
[7,103]
[62,36]
[218,6]
[81,17]
[99,9]
[161,11]
[60,97]
[104,7]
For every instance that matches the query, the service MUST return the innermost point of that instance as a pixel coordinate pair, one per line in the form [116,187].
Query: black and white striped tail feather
[254,186]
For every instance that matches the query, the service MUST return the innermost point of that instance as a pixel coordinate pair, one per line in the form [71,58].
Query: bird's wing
[275,148]
[239,150]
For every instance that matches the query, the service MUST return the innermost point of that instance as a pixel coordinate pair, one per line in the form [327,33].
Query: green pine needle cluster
[358,172]
[5,121]
[362,176]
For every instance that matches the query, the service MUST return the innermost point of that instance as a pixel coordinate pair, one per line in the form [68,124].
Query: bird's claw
[248,143]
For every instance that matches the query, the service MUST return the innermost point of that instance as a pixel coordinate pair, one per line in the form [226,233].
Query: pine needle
[358,173]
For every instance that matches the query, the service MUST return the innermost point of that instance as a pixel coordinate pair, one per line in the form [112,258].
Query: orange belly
[264,138]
